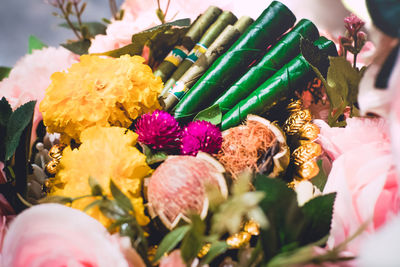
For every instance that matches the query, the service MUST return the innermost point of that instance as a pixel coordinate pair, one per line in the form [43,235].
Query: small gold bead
[204,250]
[55,151]
[308,170]
[296,120]
[252,228]
[51,167]
[309,131]
[151,252]
[306,152]
[238,240]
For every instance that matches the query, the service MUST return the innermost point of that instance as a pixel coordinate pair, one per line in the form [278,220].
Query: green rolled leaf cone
[193,74]
[279,87]
[272,23]
[179,53]
[226,18]
[281,53]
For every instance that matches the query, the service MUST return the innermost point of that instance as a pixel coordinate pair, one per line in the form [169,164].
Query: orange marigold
[99,91]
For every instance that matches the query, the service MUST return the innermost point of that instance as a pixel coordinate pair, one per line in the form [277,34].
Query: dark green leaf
[122,200]
[320,180]
[5,111]
[56,199]
[193,240]
[385,15]
[4,71]
[170,241]
[93,28]
[18,121]
[110,209]
[96,188]
[178,23]
[79,47]
[216,249]
[212,114]
[314,56]
[151,157]
[318,214]
[35,44]
[285,217]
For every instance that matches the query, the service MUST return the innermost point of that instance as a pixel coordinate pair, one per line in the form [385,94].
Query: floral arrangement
[184,136]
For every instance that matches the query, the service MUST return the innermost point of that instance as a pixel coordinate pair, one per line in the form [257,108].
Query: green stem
[78,15]
[66,17]
[113,8]
[355,54]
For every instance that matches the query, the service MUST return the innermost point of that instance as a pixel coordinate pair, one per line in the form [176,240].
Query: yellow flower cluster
[99,91]
[105,153]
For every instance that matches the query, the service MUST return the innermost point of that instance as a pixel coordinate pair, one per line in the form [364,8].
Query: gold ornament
[55,151]
[295,105]
[238,240]
[306,152]
[308,170]
[309,131]
[296,120]
[252,228]
[204,250]
[51,167]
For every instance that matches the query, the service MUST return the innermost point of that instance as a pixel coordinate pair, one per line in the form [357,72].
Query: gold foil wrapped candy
[296,120]
[55,154]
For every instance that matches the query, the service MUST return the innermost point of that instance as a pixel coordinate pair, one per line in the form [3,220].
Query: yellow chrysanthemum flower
[99,91]
[105,153]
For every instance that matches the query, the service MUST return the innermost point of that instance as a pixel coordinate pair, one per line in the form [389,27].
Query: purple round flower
[201,136]
[159,130]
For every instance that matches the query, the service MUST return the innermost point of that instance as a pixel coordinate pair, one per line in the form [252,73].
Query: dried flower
[201,136]
[159,130]
[353,24]
[99,91]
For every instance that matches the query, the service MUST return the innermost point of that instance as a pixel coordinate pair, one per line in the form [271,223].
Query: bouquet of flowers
[203,139]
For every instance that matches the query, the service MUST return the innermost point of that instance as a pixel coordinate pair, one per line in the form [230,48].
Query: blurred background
[21,18]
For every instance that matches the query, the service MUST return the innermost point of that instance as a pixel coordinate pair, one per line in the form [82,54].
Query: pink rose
[363,175]
[56,235]
[174,259]
[30,77]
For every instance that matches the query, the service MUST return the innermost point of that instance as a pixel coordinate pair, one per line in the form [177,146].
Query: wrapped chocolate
[272,23]
[179,53]
[225,19]
[281,53]
[280,86]
[193,74]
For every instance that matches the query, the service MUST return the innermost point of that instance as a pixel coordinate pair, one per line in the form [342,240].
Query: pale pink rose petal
[56,235]
[174,259]
[364,177]
[30,77]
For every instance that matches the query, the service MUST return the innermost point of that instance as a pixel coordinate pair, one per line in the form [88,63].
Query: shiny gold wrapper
[306,153]
[296,120]
[309,131]
[238,240]
[308,170]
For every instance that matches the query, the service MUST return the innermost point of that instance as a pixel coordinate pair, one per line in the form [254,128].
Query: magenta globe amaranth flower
[159,130]
[201,136]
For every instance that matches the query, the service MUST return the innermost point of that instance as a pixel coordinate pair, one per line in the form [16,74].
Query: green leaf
[4,72]
[79,47]
[193,240]
[18,121]
[93,28]
[5,111]
[211,114]
[151,157]
[159,39]
[216,249]
[56,199]
[122,200]
[344,79]
[111,209]
[170,241]
[96,188]
[285,217]
[318,214]
[385,15]
[35,44]
[321,178]
[93,204]
[314,56]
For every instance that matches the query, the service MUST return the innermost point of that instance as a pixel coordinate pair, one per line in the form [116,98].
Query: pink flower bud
[353,24]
